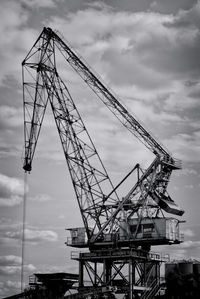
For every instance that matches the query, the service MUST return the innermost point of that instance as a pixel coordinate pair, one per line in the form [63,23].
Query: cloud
[43,235]
[188,18]
[185,146]
[16,41]
[8,150]
[8,223]
[190,244]
[185,249]
[11,270]
[11,121]
[9,287]
[11,191]
[178,254]
[40,198]
[157,63]
[10,260]
[33,235]
[11,264]
[148,49]
[143,42]
[38,3]
[10,117]
[189,186]
[188,233]
[69,267]
[186,172]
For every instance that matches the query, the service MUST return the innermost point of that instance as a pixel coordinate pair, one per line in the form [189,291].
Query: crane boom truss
[90,179]
[103,92]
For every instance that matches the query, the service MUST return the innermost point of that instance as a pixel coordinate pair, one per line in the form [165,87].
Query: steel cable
[23,229]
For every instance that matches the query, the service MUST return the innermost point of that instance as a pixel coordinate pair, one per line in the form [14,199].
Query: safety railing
[120,254]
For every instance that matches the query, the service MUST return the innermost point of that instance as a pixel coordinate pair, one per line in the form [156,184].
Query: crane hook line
[23,229]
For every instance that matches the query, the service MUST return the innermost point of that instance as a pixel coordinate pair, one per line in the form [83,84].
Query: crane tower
[118,232]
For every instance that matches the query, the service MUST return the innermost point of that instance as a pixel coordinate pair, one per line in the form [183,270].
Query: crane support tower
[119,232]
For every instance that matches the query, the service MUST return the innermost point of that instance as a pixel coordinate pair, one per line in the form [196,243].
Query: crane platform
[119,254]
[132,233]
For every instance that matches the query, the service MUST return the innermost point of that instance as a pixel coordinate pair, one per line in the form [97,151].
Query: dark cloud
[161,6]
[9,151]
[10,260]
[171,6]
[10,117]
[38,3]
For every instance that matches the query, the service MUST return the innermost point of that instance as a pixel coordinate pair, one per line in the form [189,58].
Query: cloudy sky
[148,52]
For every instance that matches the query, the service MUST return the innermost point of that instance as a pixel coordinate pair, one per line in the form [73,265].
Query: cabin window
[74,233]
[148,228]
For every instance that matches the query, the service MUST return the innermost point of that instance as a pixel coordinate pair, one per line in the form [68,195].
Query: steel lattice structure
[99,203]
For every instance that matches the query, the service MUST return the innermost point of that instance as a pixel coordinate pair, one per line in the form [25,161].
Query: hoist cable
[23,230]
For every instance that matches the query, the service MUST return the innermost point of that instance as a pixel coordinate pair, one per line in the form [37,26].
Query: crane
[104,214]
[119,231]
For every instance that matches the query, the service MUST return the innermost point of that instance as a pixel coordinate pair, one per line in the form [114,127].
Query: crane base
[128,272]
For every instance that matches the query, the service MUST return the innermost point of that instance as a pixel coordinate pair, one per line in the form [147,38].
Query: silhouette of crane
[111,223]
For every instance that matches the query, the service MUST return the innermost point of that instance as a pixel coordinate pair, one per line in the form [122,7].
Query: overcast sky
[148,52]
